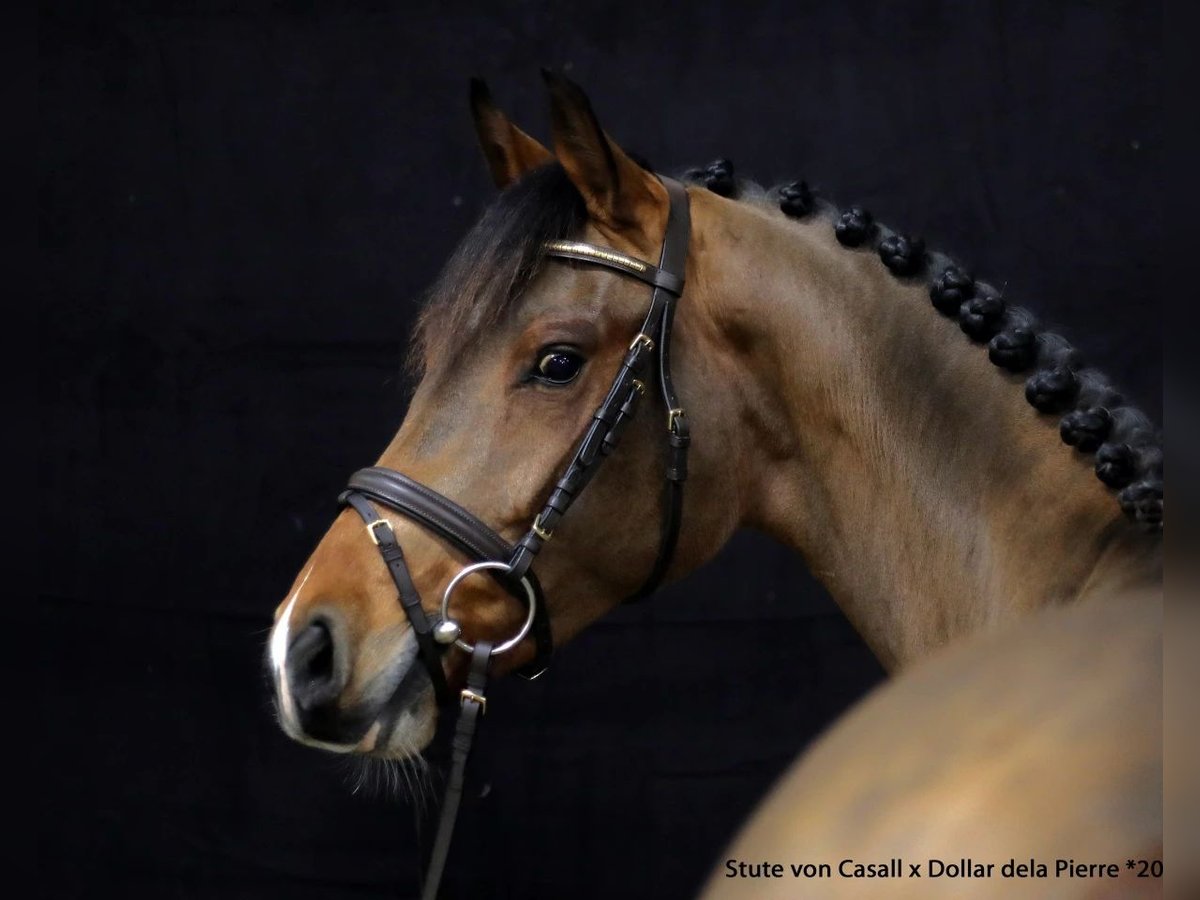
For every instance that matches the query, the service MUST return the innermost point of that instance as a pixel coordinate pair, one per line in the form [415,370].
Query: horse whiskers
[408,778]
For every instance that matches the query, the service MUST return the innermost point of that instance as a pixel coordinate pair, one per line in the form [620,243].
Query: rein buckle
[469,695]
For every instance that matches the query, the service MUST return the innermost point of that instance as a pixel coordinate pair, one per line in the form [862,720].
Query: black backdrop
[239,204]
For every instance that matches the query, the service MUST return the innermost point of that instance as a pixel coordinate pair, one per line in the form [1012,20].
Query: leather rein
[511,564]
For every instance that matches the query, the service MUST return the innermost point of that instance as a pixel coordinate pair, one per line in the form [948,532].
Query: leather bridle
[511,564]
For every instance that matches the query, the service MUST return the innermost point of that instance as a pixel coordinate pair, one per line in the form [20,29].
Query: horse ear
[509,151]
[619,193]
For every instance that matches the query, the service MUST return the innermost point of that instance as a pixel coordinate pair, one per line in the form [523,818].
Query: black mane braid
[1094,419]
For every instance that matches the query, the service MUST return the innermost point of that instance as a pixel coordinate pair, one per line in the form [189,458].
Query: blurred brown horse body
[1042,743]
[830,406]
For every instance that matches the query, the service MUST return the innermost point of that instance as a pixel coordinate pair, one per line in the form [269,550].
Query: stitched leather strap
[473,704]
[436,512]
[679,438]
[429,650]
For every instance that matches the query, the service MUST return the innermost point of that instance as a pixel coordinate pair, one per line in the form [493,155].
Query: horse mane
[502,254]
[1094,416]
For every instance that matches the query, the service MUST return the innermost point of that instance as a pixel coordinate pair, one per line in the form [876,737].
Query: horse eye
[558,366]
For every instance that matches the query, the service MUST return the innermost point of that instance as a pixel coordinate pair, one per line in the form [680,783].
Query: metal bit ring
[480,567]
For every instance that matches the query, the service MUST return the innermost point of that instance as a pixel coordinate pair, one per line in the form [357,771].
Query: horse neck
[923,491]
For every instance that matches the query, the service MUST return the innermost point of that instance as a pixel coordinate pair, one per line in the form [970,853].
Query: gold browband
[578,248]
[615,259]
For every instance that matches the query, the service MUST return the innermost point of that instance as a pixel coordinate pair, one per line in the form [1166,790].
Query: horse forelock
[494,263]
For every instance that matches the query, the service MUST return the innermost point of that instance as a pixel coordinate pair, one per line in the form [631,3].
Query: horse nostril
[314,671]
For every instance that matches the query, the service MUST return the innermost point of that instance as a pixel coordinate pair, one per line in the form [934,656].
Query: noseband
[510,565]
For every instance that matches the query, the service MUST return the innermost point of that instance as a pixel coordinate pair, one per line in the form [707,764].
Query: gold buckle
[642,338]
[371,529]
[639,386]
[672,415]
[468,694]
[539,530]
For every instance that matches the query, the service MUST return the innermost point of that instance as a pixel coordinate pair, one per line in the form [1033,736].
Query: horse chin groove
[403,735]
[407,723]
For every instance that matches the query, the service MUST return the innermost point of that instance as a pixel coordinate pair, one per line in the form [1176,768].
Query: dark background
[240,204]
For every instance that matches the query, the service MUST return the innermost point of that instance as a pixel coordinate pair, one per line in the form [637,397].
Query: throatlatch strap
[679,436]
[474,703]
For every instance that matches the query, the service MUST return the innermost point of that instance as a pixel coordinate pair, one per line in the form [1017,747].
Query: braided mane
[1094,418]
[503,253]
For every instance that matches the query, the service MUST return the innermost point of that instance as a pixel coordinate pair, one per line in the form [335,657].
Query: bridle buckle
[539,530]
[474,697]
[673,415]
[643,339]
[372,525]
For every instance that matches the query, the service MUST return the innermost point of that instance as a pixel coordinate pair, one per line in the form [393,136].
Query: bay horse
[832,383]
